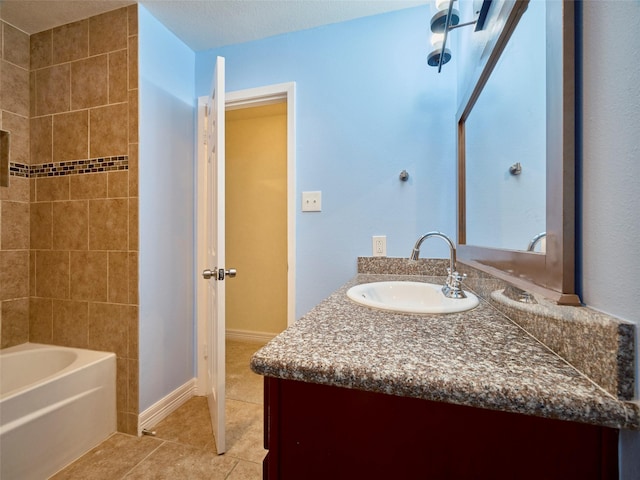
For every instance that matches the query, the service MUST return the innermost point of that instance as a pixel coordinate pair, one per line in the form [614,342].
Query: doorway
[256,221]
[283,94]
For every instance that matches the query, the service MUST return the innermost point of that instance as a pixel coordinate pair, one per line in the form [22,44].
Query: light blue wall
[610,191]
[368,106]
[167,140]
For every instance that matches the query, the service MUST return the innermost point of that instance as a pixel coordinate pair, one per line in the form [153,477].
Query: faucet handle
[453,286]
[455,276]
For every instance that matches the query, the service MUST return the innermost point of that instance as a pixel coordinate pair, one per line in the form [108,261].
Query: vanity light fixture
[446,19]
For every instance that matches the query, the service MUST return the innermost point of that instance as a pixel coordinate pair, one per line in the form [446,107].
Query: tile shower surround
[75,280]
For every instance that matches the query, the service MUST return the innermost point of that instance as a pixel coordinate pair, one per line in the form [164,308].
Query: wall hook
[404,176]
[515,169]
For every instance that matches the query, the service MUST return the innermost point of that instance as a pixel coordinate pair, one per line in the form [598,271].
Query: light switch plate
[311,201]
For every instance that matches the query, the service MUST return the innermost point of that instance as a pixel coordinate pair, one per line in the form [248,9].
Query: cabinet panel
[321,432]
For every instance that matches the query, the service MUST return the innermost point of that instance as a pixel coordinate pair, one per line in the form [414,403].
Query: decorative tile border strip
[19,170]
[72,167]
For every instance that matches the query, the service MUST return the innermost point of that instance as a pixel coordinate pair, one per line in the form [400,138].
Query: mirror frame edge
[552,274]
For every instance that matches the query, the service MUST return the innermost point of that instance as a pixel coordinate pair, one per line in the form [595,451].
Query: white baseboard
[249,336]
[167,405]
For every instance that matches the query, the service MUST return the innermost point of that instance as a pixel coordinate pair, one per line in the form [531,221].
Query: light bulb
[437,39]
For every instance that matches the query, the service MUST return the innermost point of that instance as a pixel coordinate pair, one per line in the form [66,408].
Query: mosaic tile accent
[18,170]
[72,167]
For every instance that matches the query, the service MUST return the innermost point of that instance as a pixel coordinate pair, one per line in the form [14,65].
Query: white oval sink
[409,297]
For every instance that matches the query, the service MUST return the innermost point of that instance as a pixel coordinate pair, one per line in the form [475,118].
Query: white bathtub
[56,403]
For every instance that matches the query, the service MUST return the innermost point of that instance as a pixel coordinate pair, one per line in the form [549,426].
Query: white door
[215,272]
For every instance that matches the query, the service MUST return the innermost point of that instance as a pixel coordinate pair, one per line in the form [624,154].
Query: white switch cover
[311,201]
[379,245]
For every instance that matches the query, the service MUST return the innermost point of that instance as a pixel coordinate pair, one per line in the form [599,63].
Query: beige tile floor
[184,446]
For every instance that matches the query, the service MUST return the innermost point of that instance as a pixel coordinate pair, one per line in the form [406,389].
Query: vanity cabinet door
[320,432]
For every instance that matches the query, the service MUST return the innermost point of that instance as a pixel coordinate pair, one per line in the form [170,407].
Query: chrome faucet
[453,287]
[534,241]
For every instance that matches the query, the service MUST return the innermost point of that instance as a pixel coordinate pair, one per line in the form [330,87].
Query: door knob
[207,274]
[229,273]
[221,273]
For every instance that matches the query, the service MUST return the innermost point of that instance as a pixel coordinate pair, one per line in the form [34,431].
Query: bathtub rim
[85,358]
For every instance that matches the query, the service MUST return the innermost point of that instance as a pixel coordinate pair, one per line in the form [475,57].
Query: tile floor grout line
[145,458]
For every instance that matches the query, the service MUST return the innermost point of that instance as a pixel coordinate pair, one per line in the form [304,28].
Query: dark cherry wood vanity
[321,432]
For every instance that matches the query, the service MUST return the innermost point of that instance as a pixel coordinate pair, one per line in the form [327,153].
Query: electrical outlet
[379,245]
[311,201]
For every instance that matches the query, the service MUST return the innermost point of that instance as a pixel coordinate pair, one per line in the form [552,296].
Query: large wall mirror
[516,151]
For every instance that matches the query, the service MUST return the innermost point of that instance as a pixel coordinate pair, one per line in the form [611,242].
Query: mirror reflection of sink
[409,297]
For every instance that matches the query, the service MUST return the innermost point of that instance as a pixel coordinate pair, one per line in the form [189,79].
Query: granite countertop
[477,358]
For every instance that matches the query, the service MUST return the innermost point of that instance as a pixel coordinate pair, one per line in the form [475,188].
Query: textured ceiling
[205,24]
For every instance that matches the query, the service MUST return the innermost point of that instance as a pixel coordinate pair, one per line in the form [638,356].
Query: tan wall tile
[118,77]
[132,12]
[18,190]
[71,42]
[133,278]
[89,82]
[41,140]
[32,93]
[14,221]
[71,323]
[70,225]
[133,223]
[133,116]
[108,330]
[133,396]
[133,62]
[19,128]
[108,32]
[108,224]
[108,131]
[14,94]
[15,322]
[133,169]
[52,188]
[52,274]
[14,282]
[118,185]
[88,185]
[53,91]
[32,189]
[41,49]
[16,46]
[122,384]
[32,273]
[41,225]
[71,136]
[132,312]
[89,274]
[40,320]
[128,423]
[118,277]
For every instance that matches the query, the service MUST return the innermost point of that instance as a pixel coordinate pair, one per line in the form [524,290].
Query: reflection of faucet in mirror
[517,293]
[534,241]
[453,287]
